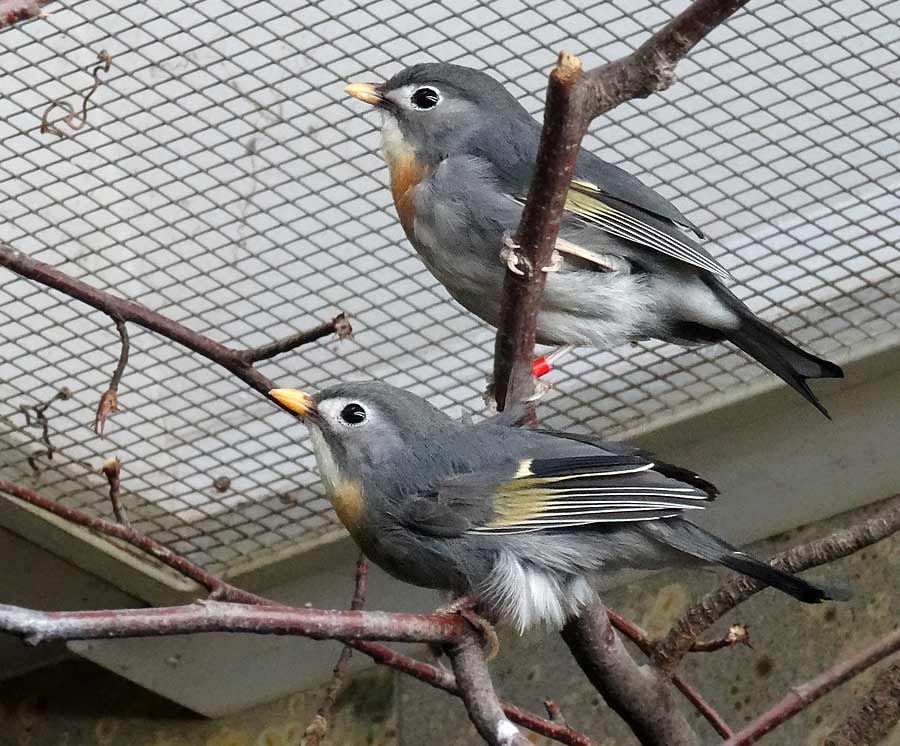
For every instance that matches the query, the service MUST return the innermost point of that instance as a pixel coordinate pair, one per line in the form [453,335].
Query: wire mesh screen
[224,179]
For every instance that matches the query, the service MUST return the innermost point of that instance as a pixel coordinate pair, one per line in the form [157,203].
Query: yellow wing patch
[584,201]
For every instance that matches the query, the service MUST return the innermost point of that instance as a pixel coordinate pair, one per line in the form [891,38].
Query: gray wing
[550,492]
[602,195]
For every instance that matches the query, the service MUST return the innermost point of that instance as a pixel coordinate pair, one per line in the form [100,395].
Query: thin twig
[39,411]
[76,121]
[640,695]
[737,634]
[339,326]
[318,727]
[109,402]
[128,311]
[477,693]
[709,609]
[874,715]
[640,638]
[804,694]
[112,469]
[222,591]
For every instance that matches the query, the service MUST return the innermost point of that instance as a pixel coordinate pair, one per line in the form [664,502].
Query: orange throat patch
[347,500]
[406,174]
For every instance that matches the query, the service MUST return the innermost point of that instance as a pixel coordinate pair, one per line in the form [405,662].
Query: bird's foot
[509,255]
[555,262]
[465,607]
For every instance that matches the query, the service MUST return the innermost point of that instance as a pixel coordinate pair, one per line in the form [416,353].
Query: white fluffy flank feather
[525,595]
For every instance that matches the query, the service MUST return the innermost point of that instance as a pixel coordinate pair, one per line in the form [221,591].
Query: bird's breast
[406,172]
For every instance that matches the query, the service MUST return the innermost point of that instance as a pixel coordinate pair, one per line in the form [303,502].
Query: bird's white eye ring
[425,98]
[353,414]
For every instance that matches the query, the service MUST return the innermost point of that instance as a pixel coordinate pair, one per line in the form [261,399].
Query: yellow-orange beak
[294,400]
[368,93]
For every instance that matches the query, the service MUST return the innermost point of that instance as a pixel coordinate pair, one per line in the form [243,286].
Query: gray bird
[524,520]
[461,151]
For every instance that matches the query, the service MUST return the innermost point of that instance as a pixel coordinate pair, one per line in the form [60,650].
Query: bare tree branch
[651,67]
[220,590]
[638,694]
[709,609]
[804,694]
[235,361]
[874,716]
[445,681]
[37,627]
[640,638]
[477,693]
[317,729]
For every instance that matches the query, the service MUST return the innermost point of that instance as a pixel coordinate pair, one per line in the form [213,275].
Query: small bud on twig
[112,469]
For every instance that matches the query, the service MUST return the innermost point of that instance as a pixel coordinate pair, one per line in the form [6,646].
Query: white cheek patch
[329,471]
[393,143]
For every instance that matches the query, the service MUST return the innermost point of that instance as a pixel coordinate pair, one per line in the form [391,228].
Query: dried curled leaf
[109,403]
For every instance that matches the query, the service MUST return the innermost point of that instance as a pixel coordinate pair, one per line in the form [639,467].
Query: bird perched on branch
[521,519]
[461,151]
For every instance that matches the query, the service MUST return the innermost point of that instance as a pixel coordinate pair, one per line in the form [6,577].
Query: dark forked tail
[694,541]
[787,361]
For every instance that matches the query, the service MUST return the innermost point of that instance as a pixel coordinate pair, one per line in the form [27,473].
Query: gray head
[357,425]
[436,110]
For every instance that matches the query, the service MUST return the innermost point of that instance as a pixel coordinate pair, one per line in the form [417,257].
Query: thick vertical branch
[478,695]
[536,235]
[638,694]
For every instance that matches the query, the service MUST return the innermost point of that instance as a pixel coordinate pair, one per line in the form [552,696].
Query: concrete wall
[75,703]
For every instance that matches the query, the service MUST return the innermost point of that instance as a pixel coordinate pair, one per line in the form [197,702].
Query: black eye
[353,414]
[425,98]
